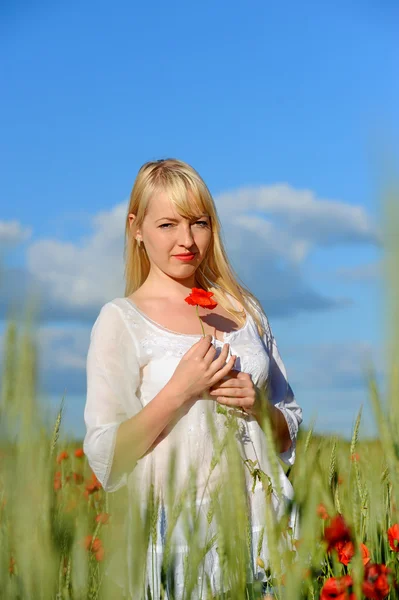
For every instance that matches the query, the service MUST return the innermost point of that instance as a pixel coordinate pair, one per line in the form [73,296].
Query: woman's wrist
[179,397]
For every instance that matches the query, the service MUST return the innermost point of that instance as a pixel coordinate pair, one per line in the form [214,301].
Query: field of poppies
[63,537]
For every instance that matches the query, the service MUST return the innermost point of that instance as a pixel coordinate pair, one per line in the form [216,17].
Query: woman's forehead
[160,202]
[161,206]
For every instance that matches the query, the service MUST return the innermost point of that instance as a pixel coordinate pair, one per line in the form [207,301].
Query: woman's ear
[132,219]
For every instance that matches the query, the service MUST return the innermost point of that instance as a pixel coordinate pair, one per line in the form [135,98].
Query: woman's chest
[189,320]
[160,356]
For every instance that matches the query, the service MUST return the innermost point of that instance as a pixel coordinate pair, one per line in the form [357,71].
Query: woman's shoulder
[110,316]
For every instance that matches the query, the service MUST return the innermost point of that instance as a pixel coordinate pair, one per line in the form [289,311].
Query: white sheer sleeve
[112,370]
[281,394]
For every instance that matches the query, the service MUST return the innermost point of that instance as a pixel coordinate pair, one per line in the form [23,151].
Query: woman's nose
[186,237]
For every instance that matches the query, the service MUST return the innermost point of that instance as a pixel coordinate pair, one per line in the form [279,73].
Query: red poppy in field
[337,589]
[337,531]
[346,552]
[77,477]
[102,518]
[100,554]
[202,298]
[93,485]
[376,584]
[95,546]
[322,512]
[79,452]
[355,457]
[393,537]
[57,480]
[62,456]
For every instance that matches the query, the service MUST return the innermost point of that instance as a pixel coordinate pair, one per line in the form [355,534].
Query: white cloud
[63,347]
[301,215]
[12,233]
[83,274]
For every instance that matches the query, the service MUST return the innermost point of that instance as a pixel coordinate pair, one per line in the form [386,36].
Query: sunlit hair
[191,198]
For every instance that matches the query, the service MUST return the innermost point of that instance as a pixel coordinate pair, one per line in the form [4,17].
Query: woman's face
[166,234]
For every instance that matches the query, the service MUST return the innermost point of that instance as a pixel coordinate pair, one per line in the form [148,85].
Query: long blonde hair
[190,197]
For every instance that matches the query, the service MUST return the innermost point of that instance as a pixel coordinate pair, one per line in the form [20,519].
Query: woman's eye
[200,223]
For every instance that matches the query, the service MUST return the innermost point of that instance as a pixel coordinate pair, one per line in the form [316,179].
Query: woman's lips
[185,257]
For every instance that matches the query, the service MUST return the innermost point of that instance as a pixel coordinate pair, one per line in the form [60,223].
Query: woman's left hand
[237,390]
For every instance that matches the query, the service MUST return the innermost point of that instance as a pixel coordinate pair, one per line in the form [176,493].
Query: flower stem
[202,326]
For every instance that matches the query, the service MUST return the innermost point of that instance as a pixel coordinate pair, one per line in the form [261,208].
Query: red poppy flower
[62,456]
[95,546]
[376,584]
[57,480]
[100,554]
[202,298]
[322,512]
[355,457]
[79,452]
[102,518]
[337,531]
[337,589]
[78,477]
[93,485]
[365,554]
[346,552]
[393,537]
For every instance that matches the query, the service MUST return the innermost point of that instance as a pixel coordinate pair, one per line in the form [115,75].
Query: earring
[139,241]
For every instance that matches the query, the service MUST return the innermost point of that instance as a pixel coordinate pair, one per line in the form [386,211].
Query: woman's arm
[138,435]
[281,432]
[281,398]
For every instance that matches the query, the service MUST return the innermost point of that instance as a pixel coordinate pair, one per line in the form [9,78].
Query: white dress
[130,359]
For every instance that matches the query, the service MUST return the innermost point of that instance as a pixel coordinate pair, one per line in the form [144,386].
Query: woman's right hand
[198,369]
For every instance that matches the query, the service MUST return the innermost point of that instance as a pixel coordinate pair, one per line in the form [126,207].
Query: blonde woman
[153,377]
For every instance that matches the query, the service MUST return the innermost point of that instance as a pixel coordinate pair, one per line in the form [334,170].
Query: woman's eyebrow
[168,218]
[173,219]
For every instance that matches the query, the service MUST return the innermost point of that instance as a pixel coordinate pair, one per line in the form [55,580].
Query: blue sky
[287,110]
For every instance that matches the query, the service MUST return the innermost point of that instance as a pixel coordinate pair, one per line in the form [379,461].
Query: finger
[201,347]
[242,375]
[232,375]
[231,392]
[235,403]
[231,383]
[224,370]
[210,354]
[215,364]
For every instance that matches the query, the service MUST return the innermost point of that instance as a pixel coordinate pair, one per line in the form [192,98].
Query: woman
[157,370]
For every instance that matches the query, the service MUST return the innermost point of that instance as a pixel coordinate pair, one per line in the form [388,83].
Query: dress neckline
[226,335]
